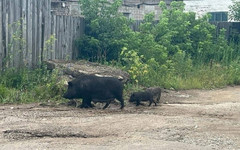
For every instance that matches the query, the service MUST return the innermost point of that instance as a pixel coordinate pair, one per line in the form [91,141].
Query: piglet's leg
[150,103]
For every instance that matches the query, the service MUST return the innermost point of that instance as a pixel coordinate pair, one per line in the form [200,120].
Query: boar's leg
[72,103]
[122,103]
[90,104]
[120,99]
[107,104]
[150,102]
[155,103]
[158,98]
[85,103]
[138,102]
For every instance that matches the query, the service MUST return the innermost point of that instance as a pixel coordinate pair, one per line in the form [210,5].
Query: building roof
[145,2]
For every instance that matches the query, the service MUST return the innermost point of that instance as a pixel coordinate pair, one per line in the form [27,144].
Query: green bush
[4,92]
[24,86]
[179,51]
[105,31]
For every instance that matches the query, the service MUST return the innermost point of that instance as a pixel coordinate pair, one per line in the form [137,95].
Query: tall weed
[24,85]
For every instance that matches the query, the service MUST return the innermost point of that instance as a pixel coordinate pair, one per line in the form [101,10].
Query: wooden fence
[232,28]
[29,33]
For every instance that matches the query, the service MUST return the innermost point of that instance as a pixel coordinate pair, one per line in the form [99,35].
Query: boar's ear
[70,83]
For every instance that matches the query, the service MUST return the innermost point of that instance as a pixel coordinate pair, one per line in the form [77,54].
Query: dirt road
[187,120]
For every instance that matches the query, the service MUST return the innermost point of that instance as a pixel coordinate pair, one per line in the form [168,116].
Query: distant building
[134,9]
[219,9]
[66,7]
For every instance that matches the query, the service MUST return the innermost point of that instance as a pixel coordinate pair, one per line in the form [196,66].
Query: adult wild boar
[97,89]
[156,92]
[142,96]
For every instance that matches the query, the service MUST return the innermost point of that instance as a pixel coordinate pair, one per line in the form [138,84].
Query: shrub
[24,85]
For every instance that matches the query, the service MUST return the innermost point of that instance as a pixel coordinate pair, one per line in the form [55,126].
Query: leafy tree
[148,46]
[179,31]
[172,31]
[174,52]
[202,35]
[235,10]
[106,29]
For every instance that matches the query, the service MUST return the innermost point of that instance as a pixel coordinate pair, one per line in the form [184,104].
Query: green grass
[201,77]
[41,85]
[27,86]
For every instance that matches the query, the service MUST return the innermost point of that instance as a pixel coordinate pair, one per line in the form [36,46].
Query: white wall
[201,7]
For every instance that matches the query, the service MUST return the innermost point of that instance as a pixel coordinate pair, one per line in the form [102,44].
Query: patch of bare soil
[185,120]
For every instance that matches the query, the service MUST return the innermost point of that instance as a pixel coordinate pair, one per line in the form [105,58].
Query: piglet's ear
[70,83]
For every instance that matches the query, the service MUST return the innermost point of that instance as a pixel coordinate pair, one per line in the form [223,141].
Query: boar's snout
[67,96]
[132,99]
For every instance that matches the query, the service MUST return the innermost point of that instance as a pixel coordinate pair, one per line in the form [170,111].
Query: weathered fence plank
[25,33]
[57,35]
[70,25]
[25,30]
[10,33]
[29,33]
[64,38]
[60,37]
[1,44]
[3,35]
[17,42]
[68,39]
[74,35]
[47,31]
[53,32]
[39,32]
[34,33]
